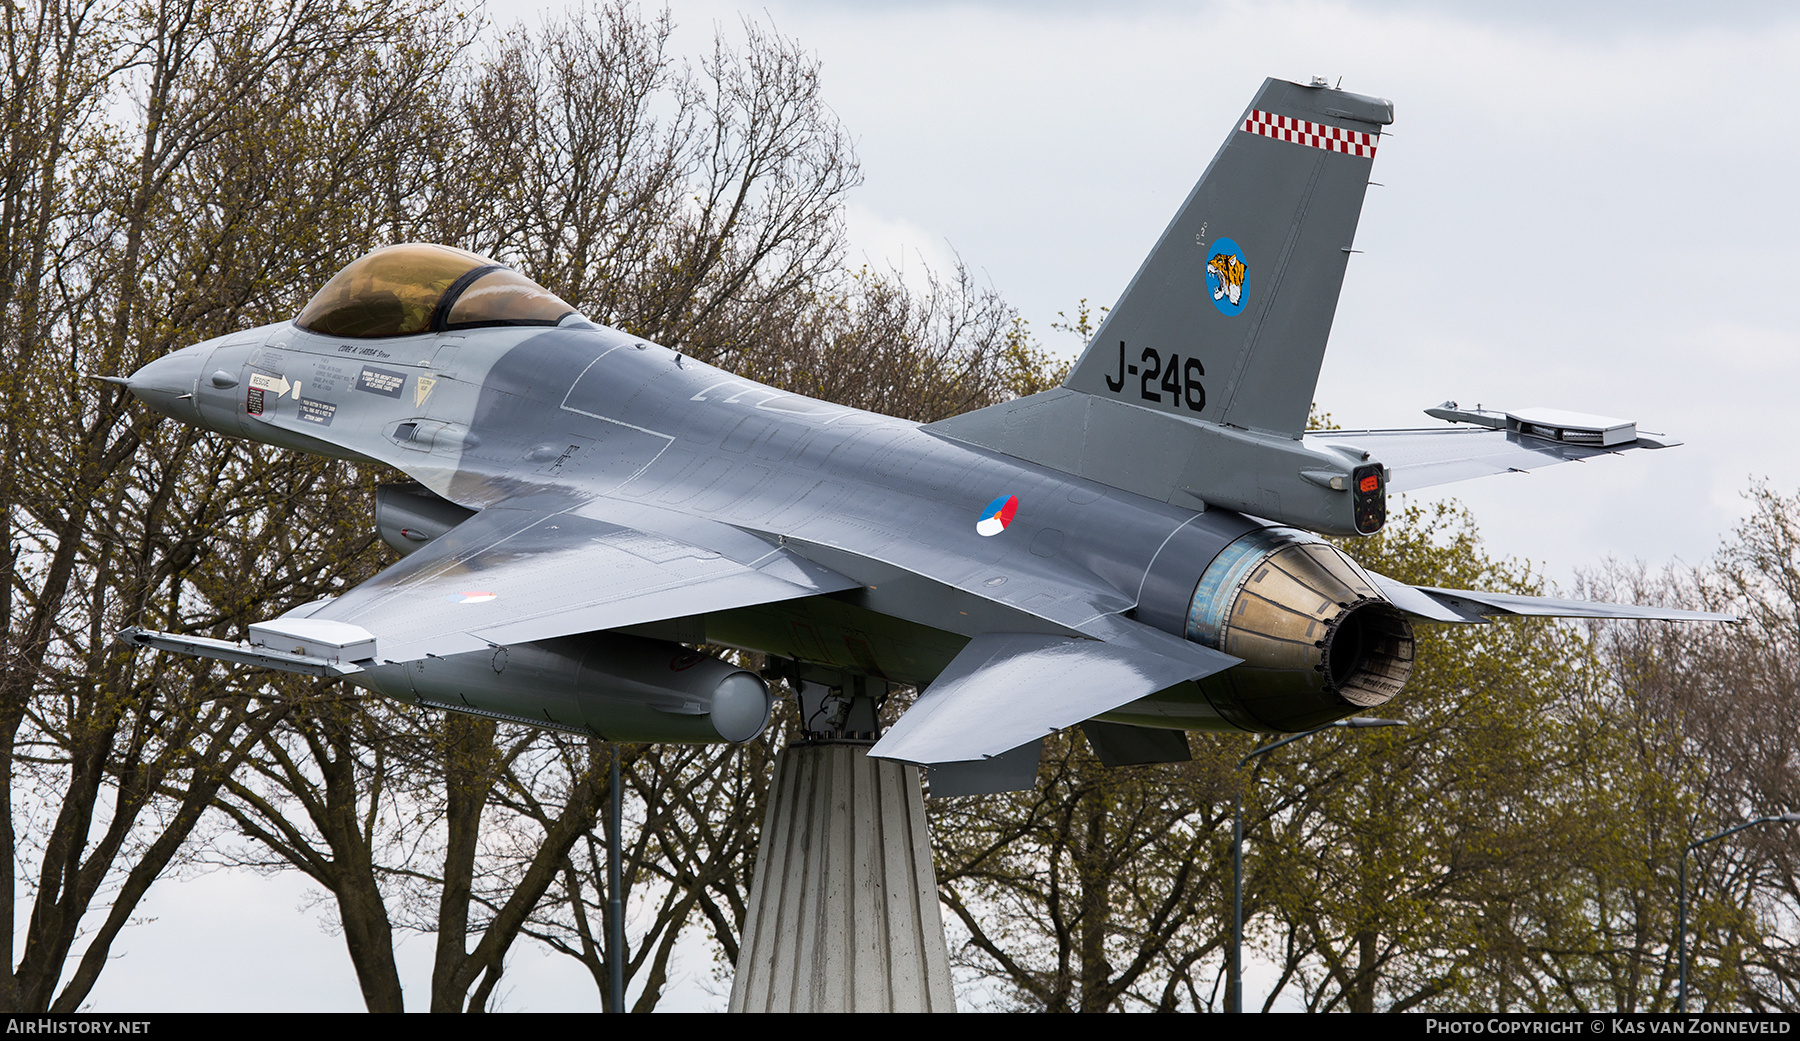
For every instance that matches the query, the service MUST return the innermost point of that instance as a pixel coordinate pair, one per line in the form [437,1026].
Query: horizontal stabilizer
[1554,424]
[1005,689]
[1492,443]
[1489,604]
[1461,605]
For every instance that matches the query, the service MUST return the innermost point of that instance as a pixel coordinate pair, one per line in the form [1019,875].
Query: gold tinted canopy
[419,288]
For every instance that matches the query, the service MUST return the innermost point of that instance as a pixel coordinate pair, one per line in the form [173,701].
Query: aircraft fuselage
[548,416]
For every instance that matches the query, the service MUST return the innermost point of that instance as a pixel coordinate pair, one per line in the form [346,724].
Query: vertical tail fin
[1197,386]
[1228,317]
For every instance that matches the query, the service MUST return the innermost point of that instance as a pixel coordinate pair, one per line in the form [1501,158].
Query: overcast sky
[1585,206]
[1588,210]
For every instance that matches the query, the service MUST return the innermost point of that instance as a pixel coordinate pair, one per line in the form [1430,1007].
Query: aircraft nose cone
[167,385]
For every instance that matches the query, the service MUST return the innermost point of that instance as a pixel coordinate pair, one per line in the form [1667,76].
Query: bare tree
[698,207]
[924,354]
[119,244]
[1717,705]
[417,821]
[1099,890]
[687,851]
[674,203]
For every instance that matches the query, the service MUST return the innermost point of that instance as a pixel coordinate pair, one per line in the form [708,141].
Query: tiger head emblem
[1228,277]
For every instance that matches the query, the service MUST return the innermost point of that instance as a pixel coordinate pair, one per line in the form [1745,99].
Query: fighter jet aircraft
[1136,551]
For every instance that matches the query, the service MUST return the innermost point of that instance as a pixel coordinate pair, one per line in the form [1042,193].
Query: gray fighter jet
[1134,551]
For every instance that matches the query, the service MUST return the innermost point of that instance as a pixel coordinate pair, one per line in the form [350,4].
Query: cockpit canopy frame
[419,287]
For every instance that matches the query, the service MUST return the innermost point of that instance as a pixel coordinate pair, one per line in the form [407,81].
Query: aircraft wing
[1494,443]
[1462,605]
[1007,689]
[509,576]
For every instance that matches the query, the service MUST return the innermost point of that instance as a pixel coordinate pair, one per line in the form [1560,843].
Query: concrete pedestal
[843,912]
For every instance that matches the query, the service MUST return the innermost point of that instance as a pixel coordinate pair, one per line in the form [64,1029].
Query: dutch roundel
[998,515]
[479,597]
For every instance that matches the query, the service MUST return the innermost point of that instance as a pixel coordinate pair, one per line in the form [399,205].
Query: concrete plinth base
[843,912]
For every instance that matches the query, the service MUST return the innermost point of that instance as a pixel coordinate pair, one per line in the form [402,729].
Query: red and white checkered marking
[1315,135]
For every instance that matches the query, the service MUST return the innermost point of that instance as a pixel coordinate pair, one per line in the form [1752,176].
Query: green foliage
[1513,847]
[1095,891]
[1400,863]
[1082,326]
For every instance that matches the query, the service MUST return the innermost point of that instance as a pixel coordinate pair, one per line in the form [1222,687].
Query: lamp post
[1681,901]
[1234,971]
[615,904]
